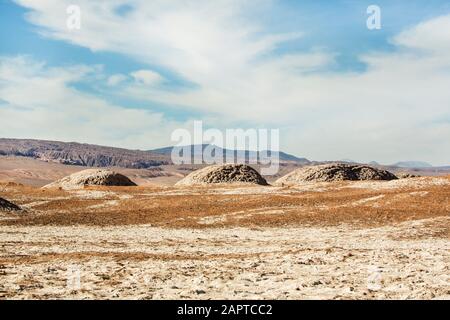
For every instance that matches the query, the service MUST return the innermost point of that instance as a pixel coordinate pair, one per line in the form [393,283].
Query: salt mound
[228,173]
[335,172]
[5,205]
[92,177]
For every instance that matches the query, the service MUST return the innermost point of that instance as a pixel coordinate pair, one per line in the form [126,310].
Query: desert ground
[339,240]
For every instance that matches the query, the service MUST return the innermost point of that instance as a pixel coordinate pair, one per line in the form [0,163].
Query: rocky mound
[407,175]
[92,177]
[228,173]
[5,205]
[335,172]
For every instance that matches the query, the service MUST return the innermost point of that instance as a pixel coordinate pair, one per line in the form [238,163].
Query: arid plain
[320,240]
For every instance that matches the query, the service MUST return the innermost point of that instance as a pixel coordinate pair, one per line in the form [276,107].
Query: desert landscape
[211,236]
[219,150]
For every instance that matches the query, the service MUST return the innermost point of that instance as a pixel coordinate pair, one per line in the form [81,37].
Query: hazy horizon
[250,150]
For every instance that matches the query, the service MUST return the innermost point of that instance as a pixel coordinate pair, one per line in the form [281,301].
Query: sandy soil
[290,263]
[326,241]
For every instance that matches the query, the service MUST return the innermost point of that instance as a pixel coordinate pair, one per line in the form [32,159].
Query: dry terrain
[38,173]
[328,240]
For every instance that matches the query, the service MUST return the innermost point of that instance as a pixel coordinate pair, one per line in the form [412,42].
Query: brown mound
[5,205]
[92,177]
[335,172]
[228,173]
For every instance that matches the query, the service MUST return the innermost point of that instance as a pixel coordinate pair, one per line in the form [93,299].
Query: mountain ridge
[83,154]
[91,155]
[283,156]
[412,164]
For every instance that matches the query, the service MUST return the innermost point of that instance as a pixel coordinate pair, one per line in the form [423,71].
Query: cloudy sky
[137,70]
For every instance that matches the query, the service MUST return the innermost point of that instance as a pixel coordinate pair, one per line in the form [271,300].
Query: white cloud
[431,35]
[116,79]
[39,102]
[398,108]
[147,77]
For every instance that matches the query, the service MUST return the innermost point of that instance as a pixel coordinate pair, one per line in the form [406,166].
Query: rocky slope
[81,154]
[5,205]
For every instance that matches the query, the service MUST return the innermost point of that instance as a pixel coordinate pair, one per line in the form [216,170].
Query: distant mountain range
[283,156]
[73,153]
[91,155]
[401,164]
[347,160]
[412,164]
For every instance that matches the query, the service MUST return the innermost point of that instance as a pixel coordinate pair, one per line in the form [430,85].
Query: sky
[135,71]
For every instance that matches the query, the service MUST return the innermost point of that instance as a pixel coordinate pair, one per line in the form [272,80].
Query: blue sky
[336,25]
[310,68]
